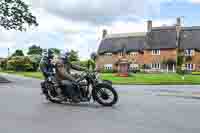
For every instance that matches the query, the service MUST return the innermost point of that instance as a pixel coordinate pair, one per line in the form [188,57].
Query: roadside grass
[133,79]
[153,79]
[37,75]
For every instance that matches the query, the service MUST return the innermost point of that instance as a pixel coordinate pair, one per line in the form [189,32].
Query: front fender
[107,82]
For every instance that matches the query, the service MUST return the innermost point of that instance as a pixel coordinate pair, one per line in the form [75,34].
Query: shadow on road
[79,105]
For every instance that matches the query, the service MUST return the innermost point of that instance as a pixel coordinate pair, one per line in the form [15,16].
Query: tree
[3,64]
[34,50]
[15,14]
[73,56]
[56,51]
[35,61]
[18,52]
[19,63]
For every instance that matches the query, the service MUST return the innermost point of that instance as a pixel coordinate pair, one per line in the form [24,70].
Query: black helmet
[50,54]
[64,55]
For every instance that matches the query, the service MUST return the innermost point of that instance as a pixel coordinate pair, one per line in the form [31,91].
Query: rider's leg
[71,89]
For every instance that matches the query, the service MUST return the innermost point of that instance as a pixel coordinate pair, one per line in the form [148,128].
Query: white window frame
[189,52]
[134,53]
[156,52]
[108,66]
[190,67]
[108,54]
[155,66]
[120,53]
[134,66]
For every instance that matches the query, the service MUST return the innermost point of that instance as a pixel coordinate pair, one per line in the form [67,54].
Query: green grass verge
[153,79]
[37,75]
[134,79]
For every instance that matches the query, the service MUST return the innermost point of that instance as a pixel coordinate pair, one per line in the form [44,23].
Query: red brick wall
[164,55]
[103,59]
[195,60]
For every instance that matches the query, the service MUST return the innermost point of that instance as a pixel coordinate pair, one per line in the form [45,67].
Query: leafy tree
[19,63]
[73,56]
[3,64]
[85,63]
[91,64]
[18,52]
[34,50]
[35,61]
[56,51]
[14,14]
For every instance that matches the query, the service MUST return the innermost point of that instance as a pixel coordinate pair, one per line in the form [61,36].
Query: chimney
[149,26]
[104,33]
[178,21]
[178,30]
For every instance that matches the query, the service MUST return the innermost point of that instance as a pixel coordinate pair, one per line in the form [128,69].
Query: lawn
[153,79]
[138,79]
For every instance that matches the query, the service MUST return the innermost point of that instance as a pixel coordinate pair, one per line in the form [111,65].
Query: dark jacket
[63,70]
[46,67]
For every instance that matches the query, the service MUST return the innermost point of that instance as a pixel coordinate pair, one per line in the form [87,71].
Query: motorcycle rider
[46,66]
[64,76]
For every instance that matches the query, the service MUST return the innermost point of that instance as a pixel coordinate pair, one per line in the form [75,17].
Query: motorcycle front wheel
[106,95]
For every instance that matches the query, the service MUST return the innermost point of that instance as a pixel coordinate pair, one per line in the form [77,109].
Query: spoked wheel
[52,99]
[106,95]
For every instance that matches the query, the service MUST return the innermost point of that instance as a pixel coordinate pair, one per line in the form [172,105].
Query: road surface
[140,110]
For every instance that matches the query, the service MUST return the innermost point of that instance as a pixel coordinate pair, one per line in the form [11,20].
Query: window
[156,52]
[121,54]
[189,66]
[189,52]
[133,66]
[108,54]
[133,53]
[108,66]
[155,66]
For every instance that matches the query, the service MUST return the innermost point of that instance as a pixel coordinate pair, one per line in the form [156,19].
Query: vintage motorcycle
[90,86]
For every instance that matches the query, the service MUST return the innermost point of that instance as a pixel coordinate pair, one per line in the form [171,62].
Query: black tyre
[49,98]
[106,95]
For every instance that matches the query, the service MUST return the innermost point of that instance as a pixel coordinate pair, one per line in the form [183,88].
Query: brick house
[155,50]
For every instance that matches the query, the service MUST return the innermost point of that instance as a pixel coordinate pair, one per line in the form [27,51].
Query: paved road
[23,110]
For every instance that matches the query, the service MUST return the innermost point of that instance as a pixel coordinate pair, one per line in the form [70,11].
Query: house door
[123,68]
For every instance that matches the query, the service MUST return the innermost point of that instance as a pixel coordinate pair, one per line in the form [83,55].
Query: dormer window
[156,52]
[189,52]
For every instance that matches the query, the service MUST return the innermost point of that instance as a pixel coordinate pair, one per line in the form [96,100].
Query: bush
[179,71]
[19,63]
[195,73]
[108,71]
[3,64]
[180,60]
[134,70]
[35,61]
